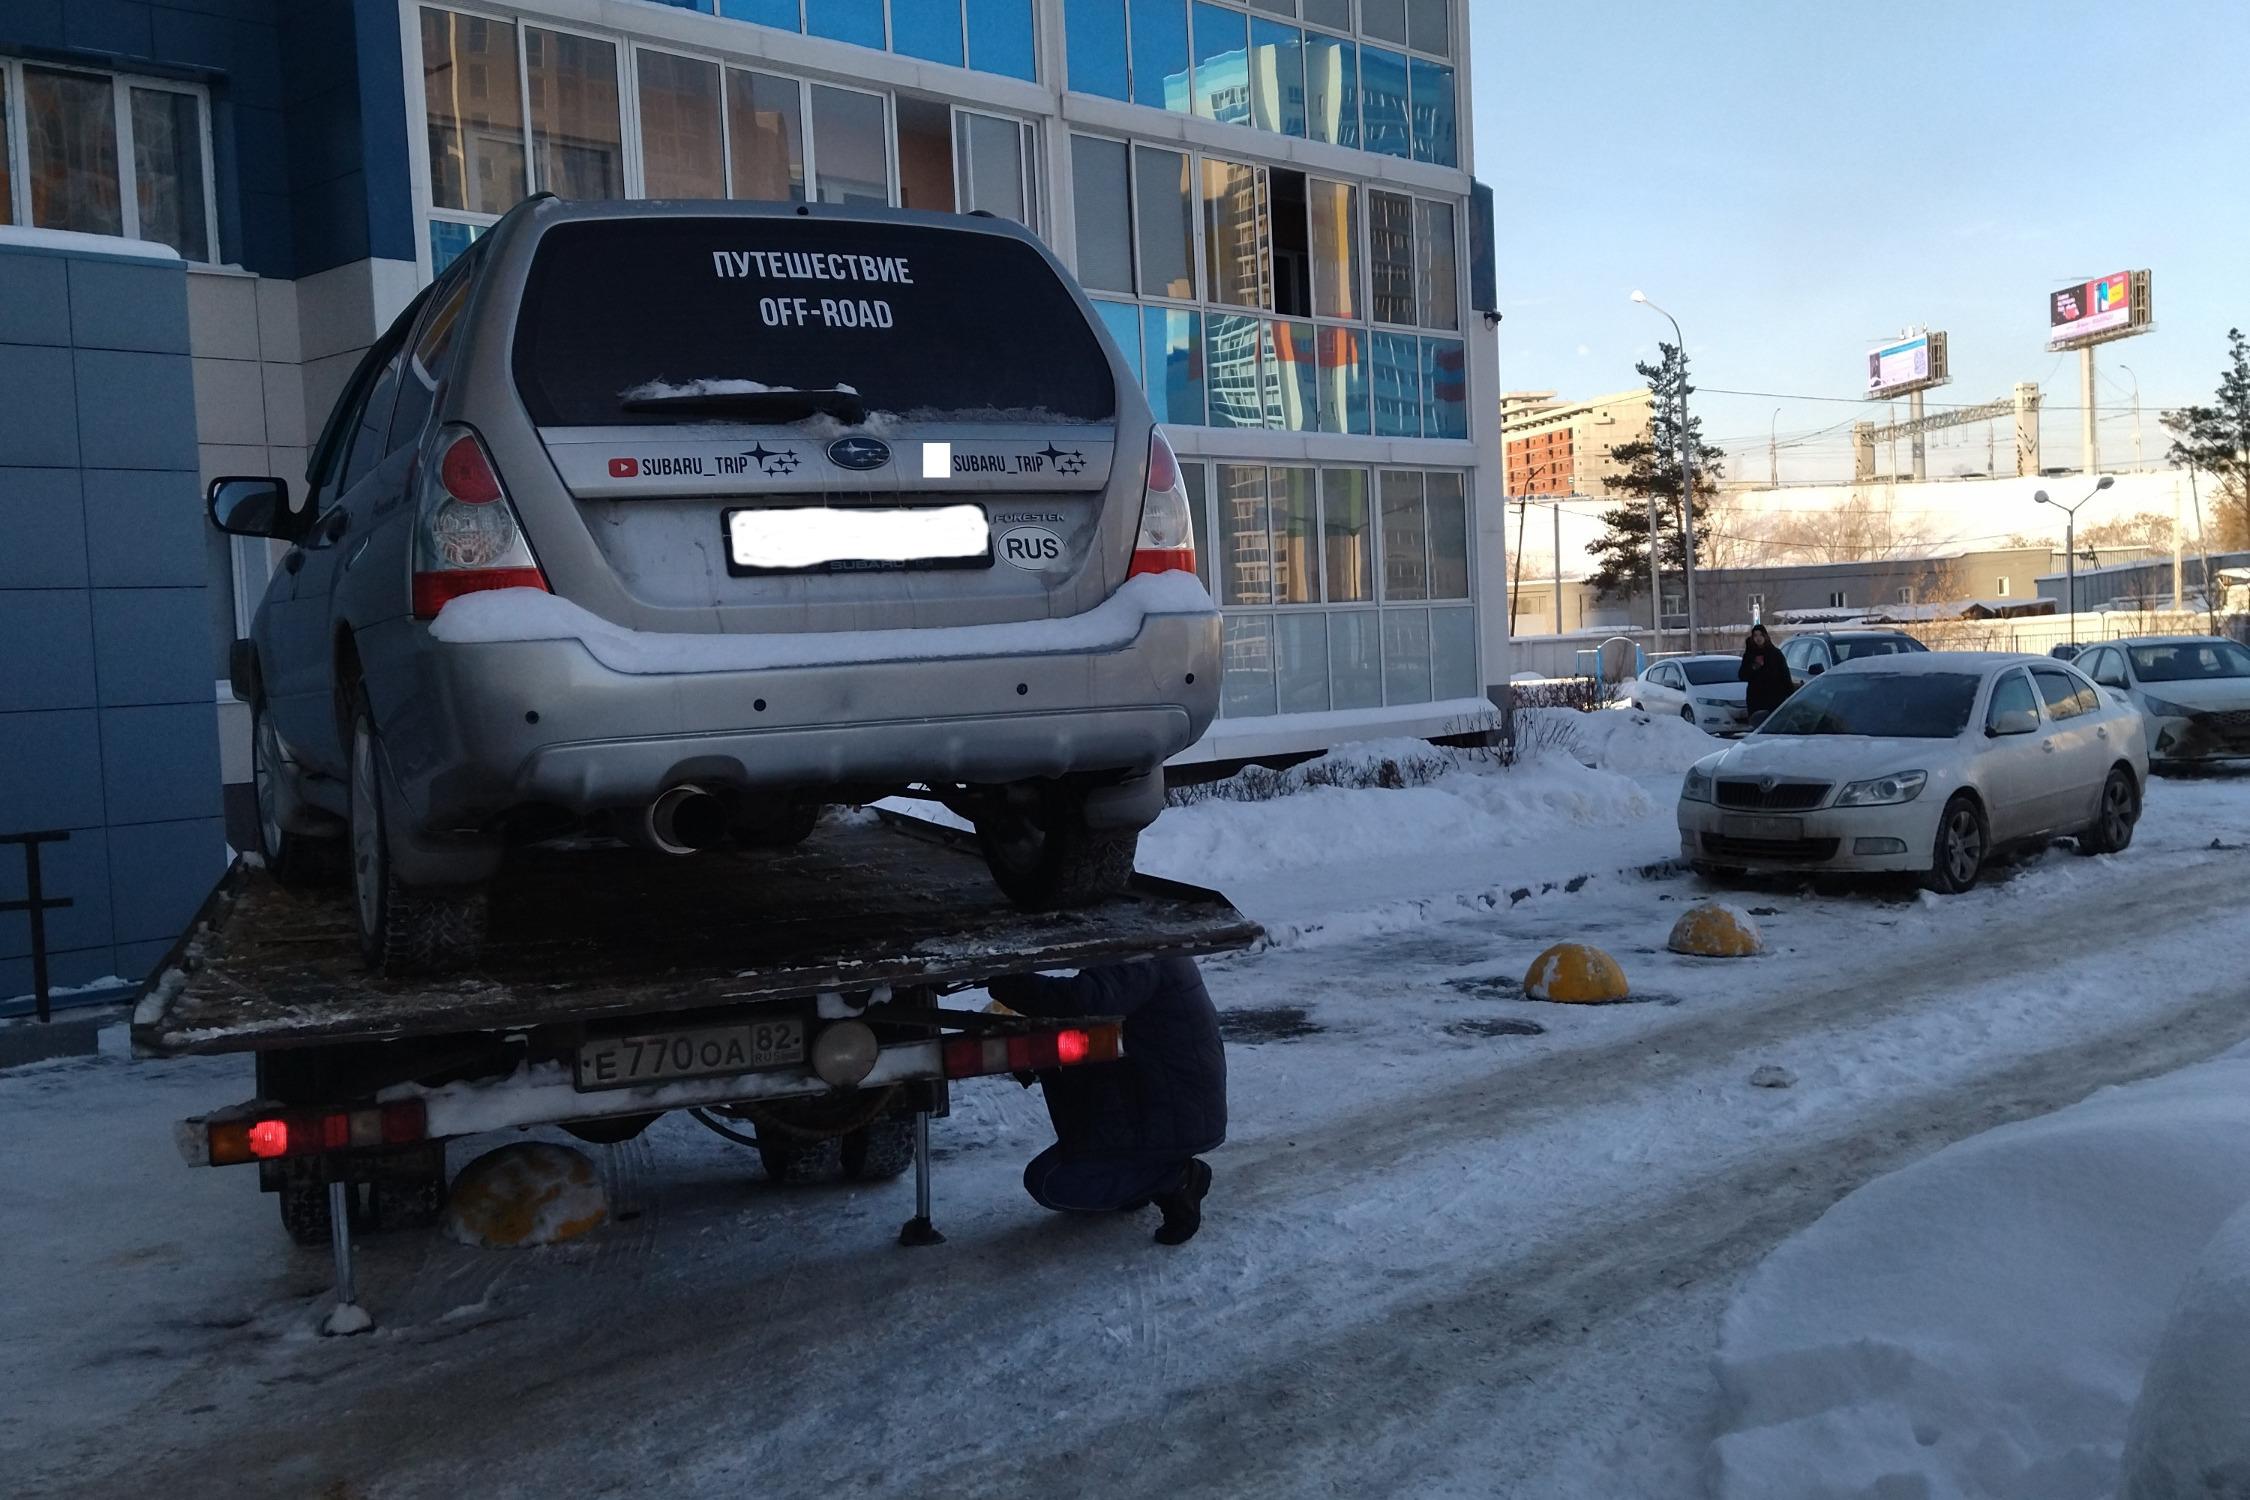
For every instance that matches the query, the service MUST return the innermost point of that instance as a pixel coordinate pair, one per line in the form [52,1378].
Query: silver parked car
[1707,691]
[681,522]
[2193,692]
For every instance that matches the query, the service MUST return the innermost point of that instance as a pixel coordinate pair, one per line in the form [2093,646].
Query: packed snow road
[1445,1255]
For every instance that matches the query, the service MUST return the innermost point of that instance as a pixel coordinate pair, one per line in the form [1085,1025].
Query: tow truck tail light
[268,1137]
[978,1056]
[1167,540]
[468,537]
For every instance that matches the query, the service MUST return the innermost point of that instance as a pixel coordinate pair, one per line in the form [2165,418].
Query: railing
[36,904]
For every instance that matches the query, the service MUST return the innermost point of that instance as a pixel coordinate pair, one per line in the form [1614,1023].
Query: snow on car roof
[1919,662]
[2163,640]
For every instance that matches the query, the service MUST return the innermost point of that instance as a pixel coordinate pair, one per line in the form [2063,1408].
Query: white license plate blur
[813,536]
[617,1062]
[1763,828]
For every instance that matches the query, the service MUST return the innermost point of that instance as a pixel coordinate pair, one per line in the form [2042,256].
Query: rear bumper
[504,725]
[1842,841]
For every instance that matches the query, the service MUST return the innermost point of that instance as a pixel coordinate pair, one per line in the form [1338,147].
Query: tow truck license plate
[1780,830]
[616,1062]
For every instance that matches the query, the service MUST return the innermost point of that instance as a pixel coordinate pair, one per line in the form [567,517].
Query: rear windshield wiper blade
[773,406]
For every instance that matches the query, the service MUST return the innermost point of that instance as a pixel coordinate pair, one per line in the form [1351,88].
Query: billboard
[2088,312]
[1913,363]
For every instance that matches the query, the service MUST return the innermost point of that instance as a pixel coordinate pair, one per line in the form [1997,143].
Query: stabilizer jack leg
[919,1230]
[347,1316]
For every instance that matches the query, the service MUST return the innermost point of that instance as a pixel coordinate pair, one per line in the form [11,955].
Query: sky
[1797,182]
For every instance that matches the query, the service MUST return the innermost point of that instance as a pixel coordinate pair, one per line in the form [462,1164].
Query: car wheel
[2112,828]
[403,929]
[297,860]
[800,1163]
[881,1150]
[1688,714]
[1963,842]
[1043,855]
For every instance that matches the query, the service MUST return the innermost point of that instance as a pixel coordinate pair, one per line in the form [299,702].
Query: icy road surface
[1443,1257]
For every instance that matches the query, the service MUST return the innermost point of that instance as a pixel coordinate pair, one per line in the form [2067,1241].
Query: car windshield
[1885,705]
[2190,661]
[1705,673]
[1848,649]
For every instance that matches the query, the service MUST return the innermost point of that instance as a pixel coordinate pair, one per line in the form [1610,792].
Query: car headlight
[2164,710]
[1697,786]
[1884,791]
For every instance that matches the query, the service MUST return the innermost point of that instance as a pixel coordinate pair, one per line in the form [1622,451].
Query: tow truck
[789,1000]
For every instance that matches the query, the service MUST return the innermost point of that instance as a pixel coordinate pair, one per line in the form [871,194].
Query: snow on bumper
[1872,840]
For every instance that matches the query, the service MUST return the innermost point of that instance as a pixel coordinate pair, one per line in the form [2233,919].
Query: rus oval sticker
[1031,547]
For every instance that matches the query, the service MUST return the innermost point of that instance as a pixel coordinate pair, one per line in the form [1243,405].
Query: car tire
[299,861]
[880,1150]
[1042,854]
[1688,714]
[1962,845]
[403,930]
[304,1210]
[792,1162]
[2112,829]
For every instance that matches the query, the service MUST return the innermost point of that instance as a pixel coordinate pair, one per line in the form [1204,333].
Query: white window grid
[1356,34]
[890,32]
[1210,534]
[121,102]
[1839,599]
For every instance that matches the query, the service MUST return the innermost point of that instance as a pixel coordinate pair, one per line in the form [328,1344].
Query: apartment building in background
[1557,447]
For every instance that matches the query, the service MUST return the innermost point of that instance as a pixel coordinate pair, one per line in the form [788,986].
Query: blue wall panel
[48,638]
[135,411]
[162,762]
[54,763]
[39,429]
[77,867]
[44,521]
[34,300]
[127,304]
[145,528]
[159,874]
[152,646]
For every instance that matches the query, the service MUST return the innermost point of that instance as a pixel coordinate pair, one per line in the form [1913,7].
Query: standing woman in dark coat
[1767,674]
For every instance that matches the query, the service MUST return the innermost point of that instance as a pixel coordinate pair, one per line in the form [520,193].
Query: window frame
[121,86]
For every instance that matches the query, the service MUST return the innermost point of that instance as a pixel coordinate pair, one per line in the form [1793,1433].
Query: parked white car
[1921,764]
[1704,690]
[2193,692]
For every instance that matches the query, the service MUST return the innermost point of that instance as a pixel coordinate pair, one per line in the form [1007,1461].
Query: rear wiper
[771,406]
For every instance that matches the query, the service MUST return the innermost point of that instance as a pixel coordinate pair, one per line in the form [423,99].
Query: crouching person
[1128,1133]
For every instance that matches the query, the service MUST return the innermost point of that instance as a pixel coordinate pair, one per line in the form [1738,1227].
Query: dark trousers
[1099,1182]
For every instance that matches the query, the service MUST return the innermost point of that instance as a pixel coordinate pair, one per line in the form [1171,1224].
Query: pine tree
[1652,471]
[2215,441]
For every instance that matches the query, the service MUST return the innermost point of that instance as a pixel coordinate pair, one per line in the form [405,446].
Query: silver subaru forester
[678,522]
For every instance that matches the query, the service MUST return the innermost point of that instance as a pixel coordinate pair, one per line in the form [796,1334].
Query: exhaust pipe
[683,820]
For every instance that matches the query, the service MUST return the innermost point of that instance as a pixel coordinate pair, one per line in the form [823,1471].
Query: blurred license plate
[784,539]
[615,1062]
[1779,829]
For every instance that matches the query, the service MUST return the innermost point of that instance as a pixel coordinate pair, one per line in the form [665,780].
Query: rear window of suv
[1858,648]
[622,319]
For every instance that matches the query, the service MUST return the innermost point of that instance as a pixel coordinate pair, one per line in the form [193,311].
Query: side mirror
[1815,669]
[2012,721]
[245,506]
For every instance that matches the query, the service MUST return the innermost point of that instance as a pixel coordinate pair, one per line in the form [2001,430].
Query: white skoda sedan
[1922,764]
[1707,691]
[2193,692]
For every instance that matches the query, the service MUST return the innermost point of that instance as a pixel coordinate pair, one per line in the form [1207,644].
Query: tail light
[231,1141]
[1167,540]
[976,1056]
[467,538]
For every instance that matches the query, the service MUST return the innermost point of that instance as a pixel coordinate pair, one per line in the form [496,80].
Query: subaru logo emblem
[860,453]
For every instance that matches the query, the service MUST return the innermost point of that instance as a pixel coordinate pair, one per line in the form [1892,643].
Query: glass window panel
[1277,77]
[1453,655]
[1336,13]
[1331,89]
[1245,535]
[1234,213]
[925,155]
[1437,277]
[1429,25]
[1222,65]
[577,146]
[1384,20]
[1434,114]
[1296,528]
[1398,385]
[1347,532]
[1001,40]
[1335,249]
[683,154]
[1233,364]
[71,120]
[1301,659]
[447,241]
[1406,547]
[7,156]
[1384,122]
[1195,475]
[1167,242]
[766,131]
[1160,54]
[858,21]
[1406,655]
[1390,248]
[1095,33]
[992,152]
[474,112]
[1355,659]
[1445,388]
[928,29]
[1123,320]
[1295,375]
[1343,381]
[1449,537]
[1175,365]
[1100,192]
[853,163]
[1246,662]
[168,171]
[781,13]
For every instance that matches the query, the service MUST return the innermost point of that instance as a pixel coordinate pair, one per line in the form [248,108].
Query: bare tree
[2145,530]
[1865,527]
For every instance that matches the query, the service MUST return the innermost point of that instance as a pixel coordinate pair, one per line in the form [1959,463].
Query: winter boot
[1183,1206]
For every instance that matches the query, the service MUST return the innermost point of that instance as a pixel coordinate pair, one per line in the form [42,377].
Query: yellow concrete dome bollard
[526,1193]
[1575,974]
[1716,930]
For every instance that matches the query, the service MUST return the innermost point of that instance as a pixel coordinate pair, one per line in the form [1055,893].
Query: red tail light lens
[269,1138]
[1071,1047]
[469,538]
[978,1056]
[467,474]
[1167,540]
[231,1142]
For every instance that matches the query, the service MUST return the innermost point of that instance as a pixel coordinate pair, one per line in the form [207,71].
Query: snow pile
[1624,740]
[1978,1324]
[525,1193]
[662,390]
[2190,1433]
[534,615]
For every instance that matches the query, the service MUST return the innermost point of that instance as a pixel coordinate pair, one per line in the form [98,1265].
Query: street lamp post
[2070,545]
[1687,481]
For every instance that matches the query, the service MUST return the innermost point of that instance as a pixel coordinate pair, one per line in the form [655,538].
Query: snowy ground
[1444,1257]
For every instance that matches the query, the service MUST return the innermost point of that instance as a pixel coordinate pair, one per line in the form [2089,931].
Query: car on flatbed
[680,522]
